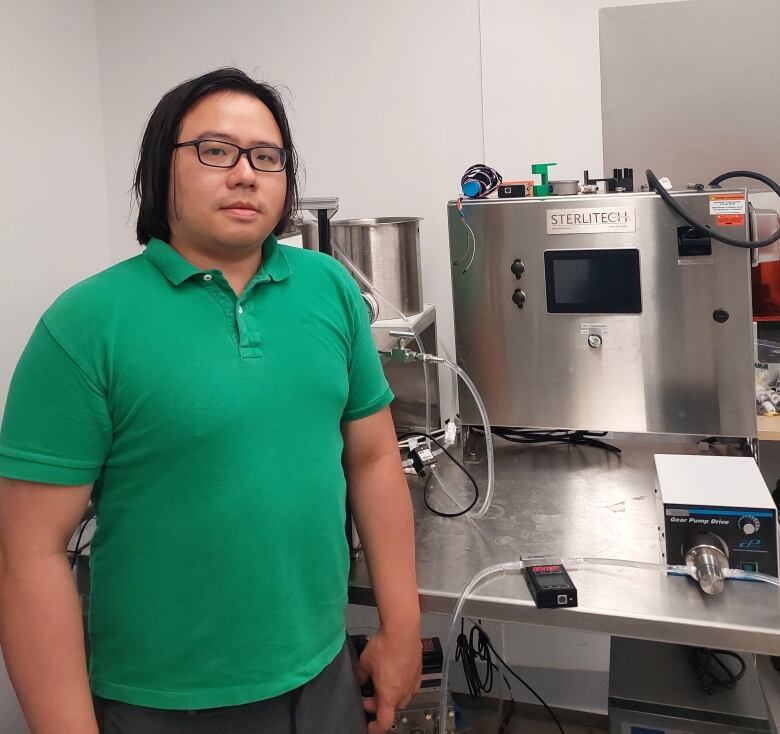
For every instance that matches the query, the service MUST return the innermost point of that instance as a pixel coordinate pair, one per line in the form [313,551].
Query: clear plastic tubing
[366,282]
[575,562]
[458,371]
[736,573]
[488,436]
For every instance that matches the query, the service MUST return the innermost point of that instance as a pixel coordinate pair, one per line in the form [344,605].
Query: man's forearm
[383,514]
[42,640]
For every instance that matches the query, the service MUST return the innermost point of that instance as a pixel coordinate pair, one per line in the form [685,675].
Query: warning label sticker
[730,220]
[727,204]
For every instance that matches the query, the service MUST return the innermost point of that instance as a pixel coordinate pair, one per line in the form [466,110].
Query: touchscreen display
[593,281]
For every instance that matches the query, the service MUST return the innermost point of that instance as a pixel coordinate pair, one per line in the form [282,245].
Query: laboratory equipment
[715,513]
[515,189]
[606,311]
[550,586]
[479,181]
[564,188]
[387,252]
[408,382]
[316,234]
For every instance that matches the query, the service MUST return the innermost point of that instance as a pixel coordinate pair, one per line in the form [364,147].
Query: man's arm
[41,632]
[383,515]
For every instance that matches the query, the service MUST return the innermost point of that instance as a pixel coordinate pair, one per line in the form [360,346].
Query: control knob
[519,298]
[517,267]
[595,341]
[749,525]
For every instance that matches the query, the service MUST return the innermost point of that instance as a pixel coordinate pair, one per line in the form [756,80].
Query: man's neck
[238,266]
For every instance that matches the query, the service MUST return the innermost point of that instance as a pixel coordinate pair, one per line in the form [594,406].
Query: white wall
[53,214]
[542,85]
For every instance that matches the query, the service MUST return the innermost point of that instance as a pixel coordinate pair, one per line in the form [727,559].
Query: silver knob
[595,341]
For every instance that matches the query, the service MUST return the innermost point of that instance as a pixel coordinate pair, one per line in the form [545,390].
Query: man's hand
[393,661]
[382,509]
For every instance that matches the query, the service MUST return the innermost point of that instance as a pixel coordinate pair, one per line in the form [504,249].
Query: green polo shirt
[211,428]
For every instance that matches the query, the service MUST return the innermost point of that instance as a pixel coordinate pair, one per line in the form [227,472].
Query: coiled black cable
[470,652]
[711,670]
[475,648]
[656,186]
[430,477]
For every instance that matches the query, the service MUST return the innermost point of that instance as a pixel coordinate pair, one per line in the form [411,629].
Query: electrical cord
[711,671]
[484,640]
[78,549]
[470,654]
[656,186]
[473,481]
[574,438]
[470,238]
[404,444]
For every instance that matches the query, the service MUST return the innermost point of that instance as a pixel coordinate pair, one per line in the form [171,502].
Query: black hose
[656,186]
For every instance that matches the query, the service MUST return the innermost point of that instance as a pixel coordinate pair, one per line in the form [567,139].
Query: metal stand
[323,210]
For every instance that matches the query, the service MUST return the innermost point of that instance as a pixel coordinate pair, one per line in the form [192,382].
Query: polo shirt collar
[177,269]
[275,263]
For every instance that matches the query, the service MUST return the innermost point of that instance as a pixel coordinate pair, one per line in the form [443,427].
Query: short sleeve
[369,391]
[56,425]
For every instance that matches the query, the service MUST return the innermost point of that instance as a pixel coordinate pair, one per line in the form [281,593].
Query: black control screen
[593,281]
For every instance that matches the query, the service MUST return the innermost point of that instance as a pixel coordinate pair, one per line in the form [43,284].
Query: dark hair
[152,173]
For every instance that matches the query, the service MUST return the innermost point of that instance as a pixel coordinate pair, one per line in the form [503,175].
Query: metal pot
[387,251]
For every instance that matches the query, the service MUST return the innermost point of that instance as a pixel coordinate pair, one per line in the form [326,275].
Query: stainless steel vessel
[387,251]
[604,312]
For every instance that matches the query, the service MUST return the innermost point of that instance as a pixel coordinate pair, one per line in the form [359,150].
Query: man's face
[225,209]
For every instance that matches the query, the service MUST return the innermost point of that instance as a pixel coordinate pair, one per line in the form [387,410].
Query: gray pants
[328,703]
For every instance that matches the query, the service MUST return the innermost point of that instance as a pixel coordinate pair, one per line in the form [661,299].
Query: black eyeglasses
[219,154]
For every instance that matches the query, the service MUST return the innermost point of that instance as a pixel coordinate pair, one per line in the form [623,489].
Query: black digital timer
[551,586]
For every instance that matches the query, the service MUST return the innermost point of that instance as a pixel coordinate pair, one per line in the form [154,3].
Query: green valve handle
[542,170]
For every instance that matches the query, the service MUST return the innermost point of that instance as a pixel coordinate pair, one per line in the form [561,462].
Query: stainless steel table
[567,501]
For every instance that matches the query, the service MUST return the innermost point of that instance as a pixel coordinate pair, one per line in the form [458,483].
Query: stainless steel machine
[605,312]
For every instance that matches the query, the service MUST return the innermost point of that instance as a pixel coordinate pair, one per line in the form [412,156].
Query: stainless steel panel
[670,369]
[576,501]
[387,251]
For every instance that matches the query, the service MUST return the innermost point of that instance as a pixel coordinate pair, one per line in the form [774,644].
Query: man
[214,396]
